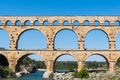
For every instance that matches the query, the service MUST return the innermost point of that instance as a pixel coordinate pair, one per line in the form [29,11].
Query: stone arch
[17,23]
[74,33]
[63,54]
[23,56]
[86,23]
[104,33]
[28,30]
[106,23]
[6,35]
[27,23]
[46,23]
[76,23]
[36,23]
[8,23]
[117,23]
[66,23]
[117,40]
[0,23]
[55,23]
[96,23]
[102,55]
[4,60]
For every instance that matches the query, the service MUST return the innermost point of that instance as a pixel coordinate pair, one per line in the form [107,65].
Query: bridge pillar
[112,66]
[50,45]
[80,65]
[50,66]
[112,45]
[81,45]
[12,65]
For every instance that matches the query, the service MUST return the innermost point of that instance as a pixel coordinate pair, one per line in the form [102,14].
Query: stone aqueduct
[50,54]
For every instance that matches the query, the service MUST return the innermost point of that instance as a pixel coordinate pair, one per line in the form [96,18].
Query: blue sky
[60,7]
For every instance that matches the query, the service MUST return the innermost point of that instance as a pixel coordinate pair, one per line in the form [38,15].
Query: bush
[83,73]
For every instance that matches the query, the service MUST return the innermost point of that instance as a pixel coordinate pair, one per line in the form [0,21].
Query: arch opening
[36,23]
[27,23]
[18,23]
[30,63]
[65,39]
[3,61]
[32,40]
[107,23]
[96,63]
[46,23]
[66,23]
[8,23]
[76,23]
[96,40]
[117,23]
[118,41]
[55,23]
[0,23]
[65,63]
[86,23]
[96,23]
[117,65]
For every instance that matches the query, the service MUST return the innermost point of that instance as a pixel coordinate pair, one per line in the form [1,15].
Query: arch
[118,41]
[68,39]
[4,40]
[99,61]
[69,61]
[3,60]
[37,40]
[117,23]
[107,23]
[86,23]
[117,64]
[27,23]
[8,23]
[100,39]
[55,23]
[76,23]
[20,59]
[66,23]
[46,23]
[0,23]
[96,23]
[36,23]
[18,23]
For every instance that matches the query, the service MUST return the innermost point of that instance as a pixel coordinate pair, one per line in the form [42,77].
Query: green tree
[83,73]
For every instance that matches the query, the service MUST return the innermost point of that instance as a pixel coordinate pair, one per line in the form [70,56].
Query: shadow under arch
[17,42]
[101,55]
[65,54]
[54,37]
[17,66]
[96,29]
[3,60]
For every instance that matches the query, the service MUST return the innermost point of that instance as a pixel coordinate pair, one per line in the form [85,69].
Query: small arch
[46,23]
[86,23]
[107,23]
[27,23]
[65,62]
[96,23]
[55,23]
[0,23]
[76,23]
[8,23]
[36,23]
[117,23]
[66,23]
[18,23]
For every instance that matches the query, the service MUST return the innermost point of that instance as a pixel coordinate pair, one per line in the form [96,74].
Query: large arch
[118,41]
[100,39]
[37,40]
[4,40]
[32,56]
[97,62]
[68,61]
[3,60]
[65,39]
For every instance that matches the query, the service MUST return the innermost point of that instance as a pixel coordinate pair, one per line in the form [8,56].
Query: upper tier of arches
[60,21]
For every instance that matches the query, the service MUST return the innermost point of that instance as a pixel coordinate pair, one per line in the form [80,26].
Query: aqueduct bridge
[10,24]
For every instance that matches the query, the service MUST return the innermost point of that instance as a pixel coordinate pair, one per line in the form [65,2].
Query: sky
[60,8]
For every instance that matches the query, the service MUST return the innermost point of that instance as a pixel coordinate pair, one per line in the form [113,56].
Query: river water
[33,76]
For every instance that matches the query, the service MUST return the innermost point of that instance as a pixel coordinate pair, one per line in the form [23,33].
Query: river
[33,76]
